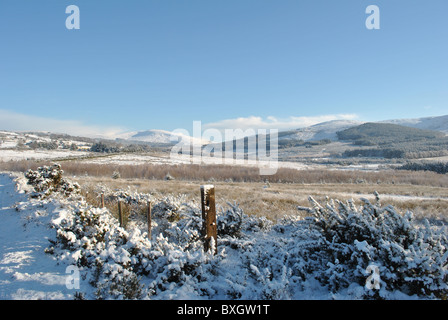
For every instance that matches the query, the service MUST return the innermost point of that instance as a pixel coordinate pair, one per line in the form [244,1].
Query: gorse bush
[116,175]
[411,258]
[115,260]
[49,179]
[231,222]
[92,240]
[234,222]
[438,167]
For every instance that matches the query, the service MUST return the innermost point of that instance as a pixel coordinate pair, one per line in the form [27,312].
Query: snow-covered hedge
[124,264]
[326,255]
[49,179]
[410,258]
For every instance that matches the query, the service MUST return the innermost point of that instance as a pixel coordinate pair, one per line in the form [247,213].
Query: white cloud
[13,121]
[271,122]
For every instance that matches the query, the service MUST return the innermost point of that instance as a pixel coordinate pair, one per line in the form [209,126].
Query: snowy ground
[17,155]
[26,271]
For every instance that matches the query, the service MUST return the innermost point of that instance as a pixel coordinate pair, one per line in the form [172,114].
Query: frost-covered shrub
[49,179]
[178,221]
[172,208]
[233,221]
[230,222]
[168,177]
[126,196]
[175,268]
[135,204]
[411,258]
[116,260]
[116,175]
[92,239]
[438,167]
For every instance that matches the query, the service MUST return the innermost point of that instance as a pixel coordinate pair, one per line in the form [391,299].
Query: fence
[209,229]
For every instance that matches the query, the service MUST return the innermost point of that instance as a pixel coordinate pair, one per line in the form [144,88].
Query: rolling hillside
[427,123]
[388,140]
[386,133]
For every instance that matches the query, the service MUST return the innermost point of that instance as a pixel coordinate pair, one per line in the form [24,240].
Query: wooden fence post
[120,213]
[102,200]
[149,220]
[209,227]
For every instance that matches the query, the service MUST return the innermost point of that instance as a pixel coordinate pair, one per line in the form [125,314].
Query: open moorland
[422,192]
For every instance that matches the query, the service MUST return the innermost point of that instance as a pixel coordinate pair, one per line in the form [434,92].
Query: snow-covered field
[17,155]
[15,146]
[326,256]
[142,158]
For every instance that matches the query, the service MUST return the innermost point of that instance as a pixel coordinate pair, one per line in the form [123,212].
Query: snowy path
[26,271]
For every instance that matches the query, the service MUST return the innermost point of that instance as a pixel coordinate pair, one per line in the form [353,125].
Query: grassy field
[275,200]
[423,193]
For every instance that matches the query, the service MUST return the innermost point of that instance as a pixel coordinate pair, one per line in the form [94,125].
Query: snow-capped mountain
[429,123]
[324,130]
[328,129]
[163,137]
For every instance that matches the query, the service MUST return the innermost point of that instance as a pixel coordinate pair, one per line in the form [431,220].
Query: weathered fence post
[102,200]
[120,213]
[209,227]
[149,220]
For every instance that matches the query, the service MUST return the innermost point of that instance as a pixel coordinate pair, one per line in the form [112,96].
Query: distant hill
[399,138]
[163,137]
[439,123]
[370,139]
[385,133]
[394,141]
[320,131]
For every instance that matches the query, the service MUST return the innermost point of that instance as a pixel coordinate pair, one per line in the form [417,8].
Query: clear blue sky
[143,64]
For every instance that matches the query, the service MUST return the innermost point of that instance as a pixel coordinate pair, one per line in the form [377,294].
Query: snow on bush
[411,258]
[324,256]
[122,264]
[48,179]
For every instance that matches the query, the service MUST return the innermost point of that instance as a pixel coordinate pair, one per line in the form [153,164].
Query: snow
[439,123]
[14,147]
[163,136]
[394,197]
[16,155]
[8,144]
[324,256]
[207,187]
[26,271]
[324,130]
[328,130]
